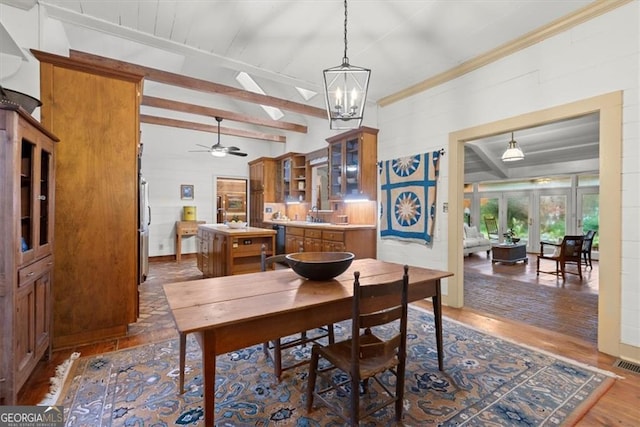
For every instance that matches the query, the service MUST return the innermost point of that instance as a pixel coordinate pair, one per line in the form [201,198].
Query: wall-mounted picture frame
[186,192]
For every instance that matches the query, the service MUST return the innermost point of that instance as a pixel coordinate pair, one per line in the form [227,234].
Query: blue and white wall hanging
[408,197]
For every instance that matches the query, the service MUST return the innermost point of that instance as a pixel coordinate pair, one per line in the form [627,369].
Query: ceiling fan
[219,150]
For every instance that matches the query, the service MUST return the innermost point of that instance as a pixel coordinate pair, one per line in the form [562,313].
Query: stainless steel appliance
[145,220]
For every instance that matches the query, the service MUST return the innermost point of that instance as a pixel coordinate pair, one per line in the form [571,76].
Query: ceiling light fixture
[345,88]
[513,153]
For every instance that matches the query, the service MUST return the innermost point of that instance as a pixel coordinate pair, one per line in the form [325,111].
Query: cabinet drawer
[188,230]
[313,234]
[336,236]
[295,231]
[33,271]
[249,246]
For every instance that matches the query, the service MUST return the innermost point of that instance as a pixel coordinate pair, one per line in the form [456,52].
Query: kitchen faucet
[315,218]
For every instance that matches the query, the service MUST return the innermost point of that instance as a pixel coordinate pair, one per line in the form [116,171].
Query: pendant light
[345,89]
[513,152]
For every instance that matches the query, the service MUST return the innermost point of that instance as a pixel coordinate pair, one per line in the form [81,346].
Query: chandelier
[345,89]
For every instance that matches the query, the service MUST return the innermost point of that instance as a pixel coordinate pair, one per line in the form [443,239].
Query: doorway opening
[231,199]
[609,109]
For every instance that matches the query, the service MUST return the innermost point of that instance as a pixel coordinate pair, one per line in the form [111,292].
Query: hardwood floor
[618,406]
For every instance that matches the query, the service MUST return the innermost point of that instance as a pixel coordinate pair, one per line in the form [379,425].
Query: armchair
[569,251]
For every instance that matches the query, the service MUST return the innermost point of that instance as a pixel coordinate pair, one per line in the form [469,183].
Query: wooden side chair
[364,356]
[273,349]
[568,252]
[492,228]
[586,247]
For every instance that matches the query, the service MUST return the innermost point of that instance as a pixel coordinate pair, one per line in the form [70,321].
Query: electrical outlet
[161,246]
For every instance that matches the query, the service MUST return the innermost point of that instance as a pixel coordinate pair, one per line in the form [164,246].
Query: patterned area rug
[486,381]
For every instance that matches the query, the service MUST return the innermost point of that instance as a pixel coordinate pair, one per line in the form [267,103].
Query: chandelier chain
[346,59]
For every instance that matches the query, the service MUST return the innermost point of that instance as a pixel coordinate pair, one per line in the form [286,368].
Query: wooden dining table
[233,312]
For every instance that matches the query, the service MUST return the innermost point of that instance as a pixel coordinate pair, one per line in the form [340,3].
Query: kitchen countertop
[222,228]
[323,225]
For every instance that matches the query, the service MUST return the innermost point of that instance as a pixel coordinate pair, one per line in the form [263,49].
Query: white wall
[597,57]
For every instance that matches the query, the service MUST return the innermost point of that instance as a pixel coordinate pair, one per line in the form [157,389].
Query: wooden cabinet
[291,178]
[27,174]
[359,240]
[225,252]
[262,188]
[95,111]
[313,240]
[353,164]
[294,240]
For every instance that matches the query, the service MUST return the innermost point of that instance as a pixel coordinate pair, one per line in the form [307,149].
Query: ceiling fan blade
[232,148]
[199,151]
[237,153]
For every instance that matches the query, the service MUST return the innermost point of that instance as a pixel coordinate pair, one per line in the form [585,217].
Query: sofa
[474,241]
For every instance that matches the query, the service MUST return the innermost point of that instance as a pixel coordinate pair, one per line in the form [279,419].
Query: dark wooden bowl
[319,265]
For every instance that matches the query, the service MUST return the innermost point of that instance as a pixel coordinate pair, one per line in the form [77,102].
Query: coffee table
[509,253]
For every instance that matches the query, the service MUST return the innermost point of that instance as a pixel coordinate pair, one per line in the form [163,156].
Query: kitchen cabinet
[352,165]
[27,206]
[361,240]
[291,178]
[262,188]
[313,240]
[294,240]
[95,111]
[223,251]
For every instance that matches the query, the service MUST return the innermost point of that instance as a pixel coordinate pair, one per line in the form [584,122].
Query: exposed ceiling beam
[184,107]
[197,84]
[163,121]
[497,168]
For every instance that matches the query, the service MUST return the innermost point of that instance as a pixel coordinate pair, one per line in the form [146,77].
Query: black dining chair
[352,363]
[273,349]
[586,247]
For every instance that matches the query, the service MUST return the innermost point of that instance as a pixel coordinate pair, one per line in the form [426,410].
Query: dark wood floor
[619,406]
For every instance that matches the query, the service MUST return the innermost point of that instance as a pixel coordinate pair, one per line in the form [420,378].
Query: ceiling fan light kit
[219,150]
[345,88]
[513,153]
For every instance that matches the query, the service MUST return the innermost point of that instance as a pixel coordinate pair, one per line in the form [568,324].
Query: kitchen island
[224,251]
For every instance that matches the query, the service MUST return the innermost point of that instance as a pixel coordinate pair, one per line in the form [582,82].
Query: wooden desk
[185,228]
[234,312]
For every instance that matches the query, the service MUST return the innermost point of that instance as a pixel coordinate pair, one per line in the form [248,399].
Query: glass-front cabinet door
[352,167]
[336,170]
[36,195]
[345,168]
[27,207]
